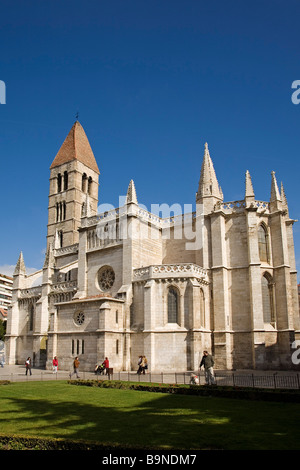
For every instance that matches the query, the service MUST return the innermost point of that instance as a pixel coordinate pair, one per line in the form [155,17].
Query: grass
[155,420]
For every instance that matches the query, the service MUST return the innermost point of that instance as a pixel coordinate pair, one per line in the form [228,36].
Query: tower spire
[249,192]
[275,200]
[131,194]
[73,191]
[76,147]
[208,184]
[20,266]
[284,200]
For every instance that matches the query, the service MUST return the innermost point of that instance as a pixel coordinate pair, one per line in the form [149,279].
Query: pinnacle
[275,194]
[131,194]
[284,199]
[208,184]
[249,192]
[20,266]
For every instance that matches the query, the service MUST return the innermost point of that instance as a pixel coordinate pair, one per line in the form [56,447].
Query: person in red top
[106,365]
[55,364]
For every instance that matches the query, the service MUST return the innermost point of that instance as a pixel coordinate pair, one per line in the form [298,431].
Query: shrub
[292,396]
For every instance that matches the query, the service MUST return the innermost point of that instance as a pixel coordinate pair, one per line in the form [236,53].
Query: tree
[2,329]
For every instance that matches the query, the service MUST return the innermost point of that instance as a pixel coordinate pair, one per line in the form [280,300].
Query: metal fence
[222,378]
[274,380]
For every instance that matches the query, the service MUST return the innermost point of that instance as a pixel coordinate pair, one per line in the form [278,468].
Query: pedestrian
[106,365]
[28,365]
[144,364]
[140,365]
[75,367]
[55,364]
[208,363]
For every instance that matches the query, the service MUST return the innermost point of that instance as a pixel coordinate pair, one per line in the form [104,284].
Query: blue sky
[152,82]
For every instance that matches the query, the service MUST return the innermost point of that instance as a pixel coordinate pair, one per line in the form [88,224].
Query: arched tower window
[59,183]
[84,183]
[89,185]
[267,288]
[263,243]
[173,305]
[65,180]
[61,208]
[60,238]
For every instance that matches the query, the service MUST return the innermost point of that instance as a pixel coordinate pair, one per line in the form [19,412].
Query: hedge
[36,443]
[291,396]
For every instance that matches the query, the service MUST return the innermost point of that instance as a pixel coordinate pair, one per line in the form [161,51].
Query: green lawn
[60,410]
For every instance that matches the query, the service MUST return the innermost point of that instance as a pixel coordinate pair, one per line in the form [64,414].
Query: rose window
[79,318]
[106,278]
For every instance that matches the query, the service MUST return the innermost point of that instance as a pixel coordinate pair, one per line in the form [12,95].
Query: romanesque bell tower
[74,178]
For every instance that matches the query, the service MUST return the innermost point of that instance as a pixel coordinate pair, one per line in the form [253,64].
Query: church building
[127,282]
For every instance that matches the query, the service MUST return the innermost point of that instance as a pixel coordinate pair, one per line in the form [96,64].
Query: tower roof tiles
[76,147]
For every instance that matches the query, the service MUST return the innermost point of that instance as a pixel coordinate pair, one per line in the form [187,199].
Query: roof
[76,147]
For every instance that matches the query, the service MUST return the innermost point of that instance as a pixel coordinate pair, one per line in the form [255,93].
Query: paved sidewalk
[17,373]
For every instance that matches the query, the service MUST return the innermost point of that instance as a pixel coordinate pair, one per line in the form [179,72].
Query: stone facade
[127,282]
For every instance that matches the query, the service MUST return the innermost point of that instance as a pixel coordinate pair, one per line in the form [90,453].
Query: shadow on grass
[162,421]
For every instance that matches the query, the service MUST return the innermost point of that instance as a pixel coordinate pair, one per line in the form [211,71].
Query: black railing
[222,378]
[271,380]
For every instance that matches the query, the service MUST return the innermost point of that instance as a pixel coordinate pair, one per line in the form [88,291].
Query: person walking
[75,367]
[106,365]
[208,363]
[144,364]
[140,365]
[28,365]
[55,364]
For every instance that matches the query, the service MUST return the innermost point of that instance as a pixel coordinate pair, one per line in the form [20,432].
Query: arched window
[60,211]
[60,238]
[173,305]
[84,183]
[31,316]
[267,288]
[65,180]
[263,244]
[89,185]
[59,183]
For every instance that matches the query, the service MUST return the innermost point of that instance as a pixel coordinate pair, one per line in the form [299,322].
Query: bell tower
[74,177]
